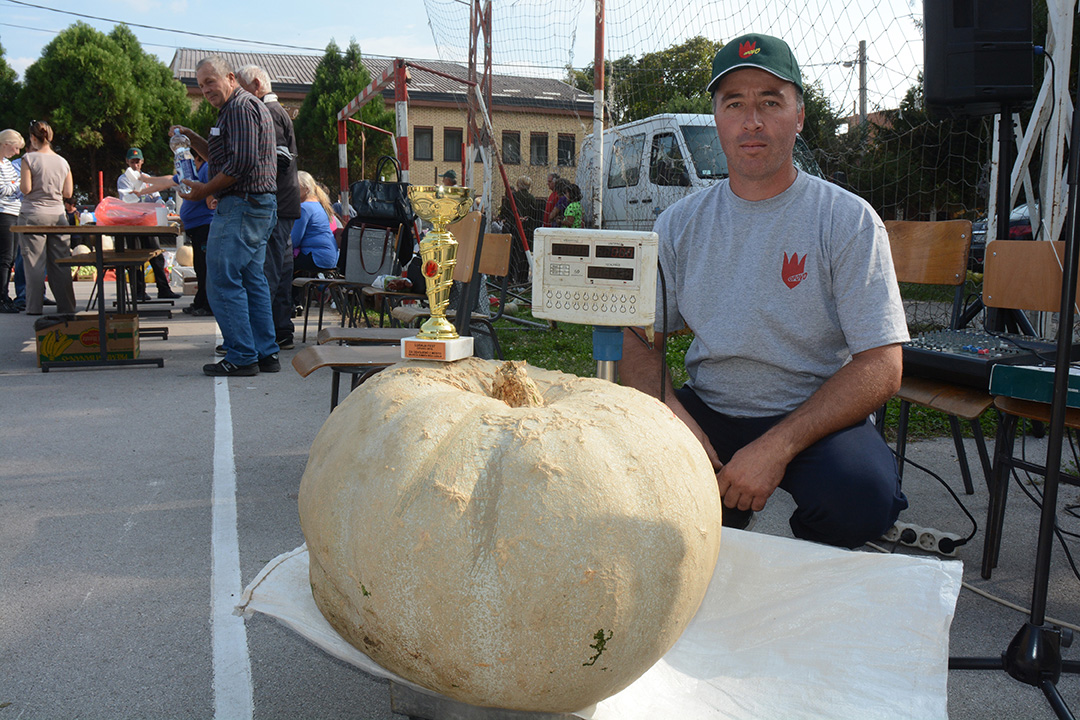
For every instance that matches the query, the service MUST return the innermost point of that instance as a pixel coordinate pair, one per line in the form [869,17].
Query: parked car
[1019,229]
[651,163]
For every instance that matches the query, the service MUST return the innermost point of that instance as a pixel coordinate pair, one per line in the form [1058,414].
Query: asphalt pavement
[118,563]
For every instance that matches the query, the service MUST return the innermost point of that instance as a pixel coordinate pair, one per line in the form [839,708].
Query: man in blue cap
[787,283]
[126,187]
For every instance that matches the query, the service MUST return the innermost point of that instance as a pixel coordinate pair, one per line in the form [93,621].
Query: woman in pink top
[45,181]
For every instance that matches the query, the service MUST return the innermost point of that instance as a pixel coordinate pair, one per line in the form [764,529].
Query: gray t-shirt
[48,171]
[779,293]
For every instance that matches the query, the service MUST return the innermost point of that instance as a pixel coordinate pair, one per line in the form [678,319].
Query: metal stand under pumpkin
[419,705]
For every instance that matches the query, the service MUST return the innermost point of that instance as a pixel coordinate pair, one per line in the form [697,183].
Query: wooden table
[101,260]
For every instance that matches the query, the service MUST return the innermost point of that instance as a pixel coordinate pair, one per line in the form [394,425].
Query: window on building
[538,149]
[566,151]
[452,140]
[511,148]
[423,143]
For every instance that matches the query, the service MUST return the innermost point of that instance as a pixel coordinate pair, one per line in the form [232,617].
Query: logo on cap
[748,48]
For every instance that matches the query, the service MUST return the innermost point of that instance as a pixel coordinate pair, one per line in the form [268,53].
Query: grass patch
[568,348]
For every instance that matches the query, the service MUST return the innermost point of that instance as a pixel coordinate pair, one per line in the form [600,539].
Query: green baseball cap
[134,154]
[756,51]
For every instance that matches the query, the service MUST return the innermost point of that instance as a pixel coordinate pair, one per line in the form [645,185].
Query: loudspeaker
[977,55]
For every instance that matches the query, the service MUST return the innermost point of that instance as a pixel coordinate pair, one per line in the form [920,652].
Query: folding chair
[341,287]
[936,253]
[1019,275]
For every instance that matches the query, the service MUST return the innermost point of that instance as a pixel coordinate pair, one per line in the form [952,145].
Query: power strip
[928,539]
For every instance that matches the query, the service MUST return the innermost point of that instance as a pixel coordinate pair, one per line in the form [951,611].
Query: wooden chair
[1019,275]
[936,253]
[336,287]
[359,363]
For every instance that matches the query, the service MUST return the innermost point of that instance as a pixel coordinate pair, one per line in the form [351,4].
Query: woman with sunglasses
[45,182]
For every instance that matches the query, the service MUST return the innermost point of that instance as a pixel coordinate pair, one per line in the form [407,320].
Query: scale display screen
[609,273]
[595,277]
[615,251]
[569,250]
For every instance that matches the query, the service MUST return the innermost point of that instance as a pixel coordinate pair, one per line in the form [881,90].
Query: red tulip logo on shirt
[793,271]
[748,48]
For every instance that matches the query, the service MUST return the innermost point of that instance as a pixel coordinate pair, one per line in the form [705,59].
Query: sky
[532,36]
[397,28]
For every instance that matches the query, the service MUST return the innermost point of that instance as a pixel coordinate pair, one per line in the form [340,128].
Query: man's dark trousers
[279,275]
[846,486]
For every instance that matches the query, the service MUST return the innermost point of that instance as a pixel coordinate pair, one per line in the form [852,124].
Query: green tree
[583,81]
[9,93]
[638,88]
[911,165]
[821,121]
[102,94]
[203,118]
[162,101]
[338,79]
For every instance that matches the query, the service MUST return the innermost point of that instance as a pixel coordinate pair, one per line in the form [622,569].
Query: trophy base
[417,348]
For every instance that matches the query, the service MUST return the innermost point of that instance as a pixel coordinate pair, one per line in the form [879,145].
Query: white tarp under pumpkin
[788,629]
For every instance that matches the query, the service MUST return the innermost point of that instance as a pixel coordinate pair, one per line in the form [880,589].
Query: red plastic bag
[114,211]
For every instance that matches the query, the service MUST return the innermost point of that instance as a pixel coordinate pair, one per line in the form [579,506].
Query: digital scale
[595,277]
[603,278]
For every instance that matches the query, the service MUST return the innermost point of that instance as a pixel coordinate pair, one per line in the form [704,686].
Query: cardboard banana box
[80,339]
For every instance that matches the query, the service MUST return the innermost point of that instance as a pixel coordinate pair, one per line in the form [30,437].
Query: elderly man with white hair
[279,252]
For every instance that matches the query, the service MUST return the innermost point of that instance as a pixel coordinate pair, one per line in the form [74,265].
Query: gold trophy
[440,205]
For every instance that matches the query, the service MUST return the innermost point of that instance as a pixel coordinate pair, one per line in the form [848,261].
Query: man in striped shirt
[243,179]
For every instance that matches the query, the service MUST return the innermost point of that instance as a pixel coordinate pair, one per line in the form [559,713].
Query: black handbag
[376,200]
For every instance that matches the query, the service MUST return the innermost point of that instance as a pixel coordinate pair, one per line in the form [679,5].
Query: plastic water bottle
[183,160]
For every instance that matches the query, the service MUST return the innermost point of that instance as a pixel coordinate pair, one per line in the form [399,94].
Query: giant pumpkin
[508,536]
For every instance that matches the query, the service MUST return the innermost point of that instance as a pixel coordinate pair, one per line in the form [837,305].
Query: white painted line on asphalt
[232,667]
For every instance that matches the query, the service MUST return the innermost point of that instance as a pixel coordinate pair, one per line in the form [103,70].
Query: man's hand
[198,142]
[750,477]
[196,190]
[848,397]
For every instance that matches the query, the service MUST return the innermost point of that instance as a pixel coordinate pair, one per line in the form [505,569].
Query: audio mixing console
[965,357]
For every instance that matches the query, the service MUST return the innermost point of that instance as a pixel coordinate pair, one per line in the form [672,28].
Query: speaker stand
[1034,654]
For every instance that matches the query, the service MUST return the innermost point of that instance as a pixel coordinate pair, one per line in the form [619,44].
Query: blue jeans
[846,486]
[236,284]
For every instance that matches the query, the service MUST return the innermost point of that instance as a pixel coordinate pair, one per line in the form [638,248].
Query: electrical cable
[994,598]
[1057,531]
[946,544]
[663,336]
[163,29]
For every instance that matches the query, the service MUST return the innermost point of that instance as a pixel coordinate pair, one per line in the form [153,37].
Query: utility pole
[862,82]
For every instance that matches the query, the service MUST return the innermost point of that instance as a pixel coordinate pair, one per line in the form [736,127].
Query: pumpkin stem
[514,387]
